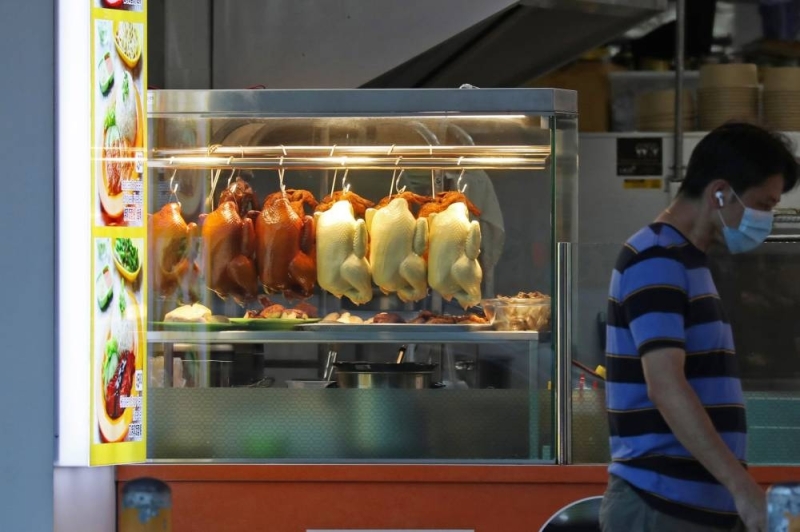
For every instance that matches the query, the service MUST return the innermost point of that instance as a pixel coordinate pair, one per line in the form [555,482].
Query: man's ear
[715,195]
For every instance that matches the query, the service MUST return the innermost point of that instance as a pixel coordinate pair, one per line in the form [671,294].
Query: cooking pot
[409,375]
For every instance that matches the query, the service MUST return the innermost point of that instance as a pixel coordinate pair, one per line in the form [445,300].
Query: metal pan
[405,375]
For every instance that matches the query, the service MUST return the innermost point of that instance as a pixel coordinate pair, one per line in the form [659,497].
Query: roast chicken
[172,248]
[455,243]
[360,205]
[443,200]
[229,245]
[342,266]
[285,244]
[397,245]
[241,193]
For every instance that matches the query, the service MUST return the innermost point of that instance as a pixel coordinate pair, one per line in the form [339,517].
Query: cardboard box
[590,79]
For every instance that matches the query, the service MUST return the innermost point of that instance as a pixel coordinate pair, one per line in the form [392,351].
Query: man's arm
[684,413]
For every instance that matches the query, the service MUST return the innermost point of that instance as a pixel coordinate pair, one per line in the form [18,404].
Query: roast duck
[398,242]
[173,248]
[454,246]
[342,241]
[229,244]
[285,244]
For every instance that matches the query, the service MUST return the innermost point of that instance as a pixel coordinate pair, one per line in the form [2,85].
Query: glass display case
[357,275]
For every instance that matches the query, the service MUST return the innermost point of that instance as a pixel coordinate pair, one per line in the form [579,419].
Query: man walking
[675,403]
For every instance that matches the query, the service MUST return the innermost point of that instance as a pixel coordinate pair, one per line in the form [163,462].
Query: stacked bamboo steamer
[782,98]
[727,92]
[655,110]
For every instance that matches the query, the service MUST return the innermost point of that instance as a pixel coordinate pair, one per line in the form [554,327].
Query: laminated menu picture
[117,368]
[127,5]
[118,122]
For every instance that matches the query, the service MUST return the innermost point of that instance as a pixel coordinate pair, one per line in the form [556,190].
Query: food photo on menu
[119,122]
[126,5]
[118,346]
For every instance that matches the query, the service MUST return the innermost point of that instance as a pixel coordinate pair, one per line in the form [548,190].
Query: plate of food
[424,321]
[104,288]
[126,256]
[116,166]
[272,324]
[128,42]
[274,316]
[122,135]
[211,326]
[121,357]
[195,317]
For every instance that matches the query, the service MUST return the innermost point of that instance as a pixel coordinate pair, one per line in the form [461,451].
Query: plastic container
[489,307]
[783,507]
[519,314]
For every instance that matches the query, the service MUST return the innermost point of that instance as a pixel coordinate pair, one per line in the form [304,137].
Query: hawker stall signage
[119,206]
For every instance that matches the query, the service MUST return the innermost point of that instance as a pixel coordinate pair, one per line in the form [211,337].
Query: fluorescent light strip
[341,151]
[354,163]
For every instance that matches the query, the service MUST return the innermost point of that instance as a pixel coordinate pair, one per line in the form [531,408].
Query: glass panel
[758,291]
[592,264]
[227,394]
[515,211]
[761,296]
[565,146]
[486,410]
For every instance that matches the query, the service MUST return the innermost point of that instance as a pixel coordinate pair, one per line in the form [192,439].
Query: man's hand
[751,503]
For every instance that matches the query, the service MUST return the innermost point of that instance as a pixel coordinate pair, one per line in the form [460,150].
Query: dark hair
[742,154]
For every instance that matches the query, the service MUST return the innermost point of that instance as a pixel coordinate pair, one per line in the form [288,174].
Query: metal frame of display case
[363,102]
[367,334]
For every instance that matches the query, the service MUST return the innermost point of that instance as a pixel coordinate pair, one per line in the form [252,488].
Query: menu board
[119,232]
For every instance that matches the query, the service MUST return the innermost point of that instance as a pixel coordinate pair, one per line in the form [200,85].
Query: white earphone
[720,199]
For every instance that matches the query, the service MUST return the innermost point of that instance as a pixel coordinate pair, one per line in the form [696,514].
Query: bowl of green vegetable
[126,258]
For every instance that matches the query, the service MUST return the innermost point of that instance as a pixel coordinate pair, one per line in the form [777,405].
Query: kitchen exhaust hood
[288,44]
[522,42]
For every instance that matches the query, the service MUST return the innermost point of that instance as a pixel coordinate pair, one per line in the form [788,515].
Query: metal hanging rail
[364,157]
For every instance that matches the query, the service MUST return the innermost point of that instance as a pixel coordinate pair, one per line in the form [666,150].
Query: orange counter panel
[513,498]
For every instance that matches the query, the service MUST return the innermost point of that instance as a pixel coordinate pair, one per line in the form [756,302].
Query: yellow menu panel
[119,235]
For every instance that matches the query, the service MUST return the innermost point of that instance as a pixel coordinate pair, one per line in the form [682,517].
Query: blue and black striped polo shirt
[662,295]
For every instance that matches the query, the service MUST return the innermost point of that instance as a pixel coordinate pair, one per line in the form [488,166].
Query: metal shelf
[366,336]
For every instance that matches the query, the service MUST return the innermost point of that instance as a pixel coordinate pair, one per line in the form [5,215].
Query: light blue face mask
[754,228]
